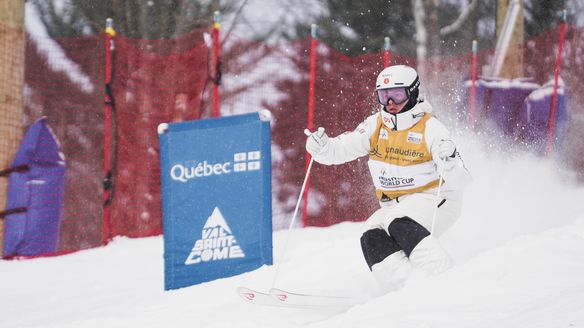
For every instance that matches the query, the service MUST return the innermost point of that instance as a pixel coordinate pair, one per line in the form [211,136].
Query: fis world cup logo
[242,162]
[217,242]
[395,182]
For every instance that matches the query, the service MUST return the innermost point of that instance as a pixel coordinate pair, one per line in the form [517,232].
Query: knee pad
[407,233]
[377,245]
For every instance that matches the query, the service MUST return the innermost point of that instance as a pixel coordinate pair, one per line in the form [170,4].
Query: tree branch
[421,36]
[460,20]
[234,21]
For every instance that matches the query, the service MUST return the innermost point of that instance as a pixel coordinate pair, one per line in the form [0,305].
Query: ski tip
[247,294]
[278,294]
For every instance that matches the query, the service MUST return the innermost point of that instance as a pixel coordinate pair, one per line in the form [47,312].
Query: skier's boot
[392,273]
[429,256]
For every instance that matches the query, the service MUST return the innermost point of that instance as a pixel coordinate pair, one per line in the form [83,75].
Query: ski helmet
[399,76]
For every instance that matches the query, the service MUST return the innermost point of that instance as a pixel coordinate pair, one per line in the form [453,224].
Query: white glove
[445,154]
[316,141]
[446,150]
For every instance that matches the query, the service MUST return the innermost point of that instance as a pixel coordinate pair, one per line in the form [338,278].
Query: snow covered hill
[519,248]
[531,281]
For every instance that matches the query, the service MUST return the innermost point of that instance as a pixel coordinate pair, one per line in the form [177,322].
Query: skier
[408,148]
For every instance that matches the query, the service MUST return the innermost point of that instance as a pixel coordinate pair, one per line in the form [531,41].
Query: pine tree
[541,16]
[356,27]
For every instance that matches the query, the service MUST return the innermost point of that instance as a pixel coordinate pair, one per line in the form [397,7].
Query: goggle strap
[414,85]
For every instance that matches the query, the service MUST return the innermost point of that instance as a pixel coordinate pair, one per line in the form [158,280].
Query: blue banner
[216,198]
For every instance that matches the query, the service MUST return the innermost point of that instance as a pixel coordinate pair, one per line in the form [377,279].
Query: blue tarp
[519,108]
[535,115]
[216,198]
[39,190]
[499,101]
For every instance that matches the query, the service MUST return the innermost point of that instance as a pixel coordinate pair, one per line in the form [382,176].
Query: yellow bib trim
[399,161]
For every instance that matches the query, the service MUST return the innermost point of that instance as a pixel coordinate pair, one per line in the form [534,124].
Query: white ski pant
[419,207]
[392,272]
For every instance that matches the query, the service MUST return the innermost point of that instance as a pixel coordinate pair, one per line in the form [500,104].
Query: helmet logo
[386,81]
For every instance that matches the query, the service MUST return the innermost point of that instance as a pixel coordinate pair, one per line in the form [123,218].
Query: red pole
[386,52]
[552,117]
[216,50]
[110,33]
[310,125]
[473,89]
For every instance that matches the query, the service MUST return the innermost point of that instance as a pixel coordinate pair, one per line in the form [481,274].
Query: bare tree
[133,18]
[458,23]
[429,33]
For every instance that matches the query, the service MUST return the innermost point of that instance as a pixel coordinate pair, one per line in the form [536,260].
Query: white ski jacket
[402,152]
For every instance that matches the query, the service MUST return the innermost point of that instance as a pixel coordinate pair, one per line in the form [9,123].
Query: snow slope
[519,248]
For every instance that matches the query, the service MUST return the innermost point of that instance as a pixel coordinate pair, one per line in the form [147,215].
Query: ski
[257,298]
[282,298]
[311,301]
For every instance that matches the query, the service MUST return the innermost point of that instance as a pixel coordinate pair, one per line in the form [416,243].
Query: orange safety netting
[344,97]
[154,82]
[168,80]
[64,82]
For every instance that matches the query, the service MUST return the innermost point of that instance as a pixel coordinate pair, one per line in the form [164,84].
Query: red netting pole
[386,52]
[473,89]
[216,51]
[310,125]
[110,33]
[552,118]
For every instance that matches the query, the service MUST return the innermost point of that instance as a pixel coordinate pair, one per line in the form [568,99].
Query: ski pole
[307,133]
[437,201]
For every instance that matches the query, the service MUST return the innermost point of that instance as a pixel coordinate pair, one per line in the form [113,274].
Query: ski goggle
[397,95]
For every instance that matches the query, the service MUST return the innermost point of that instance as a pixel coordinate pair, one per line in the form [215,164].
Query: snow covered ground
[519,248]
